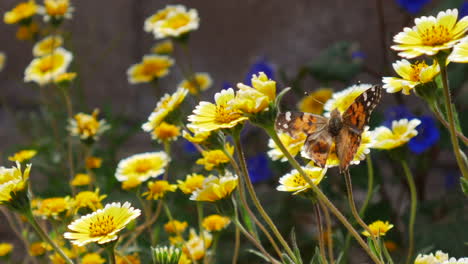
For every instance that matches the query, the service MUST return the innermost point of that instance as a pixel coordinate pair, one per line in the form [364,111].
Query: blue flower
[428,135]
[226,85]
[258,168]
[412,6]
[396,113]
[261,65]
[358,55]
[463,9]
[189,147]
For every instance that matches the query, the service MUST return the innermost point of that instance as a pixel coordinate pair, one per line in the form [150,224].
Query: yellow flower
[430,34]
[57,9]
[165,132]
[176,240]
[167,104]
[198,136]
[93,162]
[65,77]
[215,158]
[314,102]
[192,182]
[12,180]
[343,99]
[47,45]
[131,183]
[142,166]
[200,82]
[2,60]
[54,207]
[209,117]
[157,189]
[101,226]
[184,259]
[257,98]
[439,257]
[23,155]
[152,67]
[293,145]
[44,69]
[378,228]
[57,259]
[402,131]
[128,259]
[161,15]
[459,53]
[92,258]
[411,76]
[20,12]
[87,126]
[294,182]
[262,84]
[178,21]
[27,32]
[5,249]
[175,227]
[88,199]
[196,247]
[215,188]
[37,249]
[164,47]
[215,222]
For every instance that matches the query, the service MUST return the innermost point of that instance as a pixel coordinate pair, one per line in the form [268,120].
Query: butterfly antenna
[322,103]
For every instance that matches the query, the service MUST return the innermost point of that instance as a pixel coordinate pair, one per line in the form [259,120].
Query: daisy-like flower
[161,15]
[402,131]
[314,102]
[92,258]
[175,227]
[44,69]
[201,81]
[164,47]
[343,99]
[196,246]
[167,104]
[87,127]
[198,136]
[294,182]
[47,45]
[411,76]
[56,10]
[215,222]
[5,249]
[142,166]
[37,249]
[27,32]
[157,189]
[152,67]
[178,22]
[209,117]
[23,155]
[88,199]
[257,98]
[131,183]
[192,182]
[439,257]
[93,162]
[21,12]
[293,145]
[165,132]
[166,255]
[128,259]
[2,60]
[54,207]
[215,158]
[65,78]
[431,35]
[101,226]
[378,228]
[13,181]
[459,53]
[215,188]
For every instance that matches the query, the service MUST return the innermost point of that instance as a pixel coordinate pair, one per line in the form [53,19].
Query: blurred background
[304,44]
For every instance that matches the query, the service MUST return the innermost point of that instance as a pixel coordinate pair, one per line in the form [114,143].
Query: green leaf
[259,254]
[297,252]
[464,185]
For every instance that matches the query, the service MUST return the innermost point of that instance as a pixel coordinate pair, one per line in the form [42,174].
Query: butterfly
[342,129]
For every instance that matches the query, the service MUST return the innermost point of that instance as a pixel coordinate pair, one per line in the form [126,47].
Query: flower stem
[448,105]
[414,201]
[111,252]
[320,232]
[45,237]
[320,195]
[235,256]
[329,241]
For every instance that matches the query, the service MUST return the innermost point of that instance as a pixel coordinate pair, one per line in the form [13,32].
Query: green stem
[414,201]
[111,252]
[448,105]
[45,237]
[386,253]
[200,225]
[329,236]
[235,256]
[320,195]
[255,199]
[71,165]
[320,233]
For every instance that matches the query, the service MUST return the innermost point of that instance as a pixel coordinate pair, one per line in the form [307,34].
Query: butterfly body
[343,129]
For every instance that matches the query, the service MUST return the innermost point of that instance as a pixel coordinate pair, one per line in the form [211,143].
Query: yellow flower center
[49,63]
[166,131]
[178,21]
[436,35]
[416,70]
[299,180]
[102,226]
[224,115]
[150,68]
[142,166]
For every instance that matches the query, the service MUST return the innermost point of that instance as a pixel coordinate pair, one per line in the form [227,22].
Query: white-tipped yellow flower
[150,68]
[431,35]
[378,228]
[101,226]
[439,257]
[12,181]
[57,10]
[192,182]
[47,45]
[215,158]
[411,76]
[88,199]
[294,182]
[200,82]
[215,188]
[142,166]
[197,246]
[54,207]
[402,131]
[2,60]
[343,99]
[179,21]
[161,15]
[21,12]
[165,132]
[167,104]
[293,145]
[23,155]
[164,47]
[198,136]
[158,189]
[209,117]
[215,222]
[87,126]
[459,53]
[44,69]
[257,98]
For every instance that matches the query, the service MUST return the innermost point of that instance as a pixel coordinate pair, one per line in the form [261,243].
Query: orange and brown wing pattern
[358,113]
[347,143]
[317,147]
[295,123]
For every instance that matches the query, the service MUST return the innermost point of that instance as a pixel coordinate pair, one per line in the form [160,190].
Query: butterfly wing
[317,147]
[295,123]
